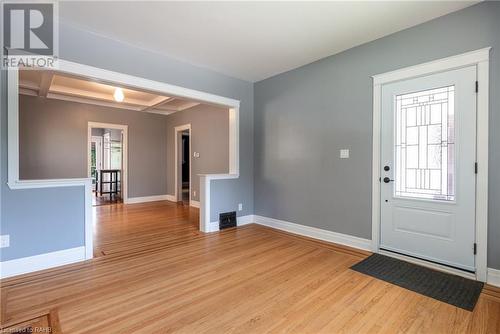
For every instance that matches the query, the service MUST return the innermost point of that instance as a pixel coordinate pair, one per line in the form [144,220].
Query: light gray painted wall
[53,142]
[21,212]
[209,137]
[304,116]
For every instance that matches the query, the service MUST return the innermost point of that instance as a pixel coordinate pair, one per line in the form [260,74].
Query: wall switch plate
[4,241]
[344,153]
[194,193]
[240,206]
[196,154]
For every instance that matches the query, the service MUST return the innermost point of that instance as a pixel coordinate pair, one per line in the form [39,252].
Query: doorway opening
[185,177]
[183,164]
[106,163]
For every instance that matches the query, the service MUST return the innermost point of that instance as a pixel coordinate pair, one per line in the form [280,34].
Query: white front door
[428,156]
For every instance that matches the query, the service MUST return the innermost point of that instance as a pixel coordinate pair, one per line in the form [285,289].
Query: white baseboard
[244,220]
[171,198]
[213,227]
[493,277]
[43,261]
[133,200]
[194,203]
[315,233]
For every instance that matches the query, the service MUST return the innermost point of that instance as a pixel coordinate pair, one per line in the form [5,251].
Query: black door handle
[387,180]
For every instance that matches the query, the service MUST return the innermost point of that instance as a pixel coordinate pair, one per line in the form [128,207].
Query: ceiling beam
[160,103]
[187,105]
[45,83]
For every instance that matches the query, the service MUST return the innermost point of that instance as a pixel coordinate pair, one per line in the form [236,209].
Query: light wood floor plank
[154,272]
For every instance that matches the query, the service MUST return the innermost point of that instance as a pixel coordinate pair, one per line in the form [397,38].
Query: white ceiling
[251,40]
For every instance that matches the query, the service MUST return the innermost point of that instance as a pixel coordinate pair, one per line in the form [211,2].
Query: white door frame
[106,152]
[124,129]
[177,130]
[479,58]
[98,158]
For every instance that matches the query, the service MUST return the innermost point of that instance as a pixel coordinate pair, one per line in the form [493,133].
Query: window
[425,144]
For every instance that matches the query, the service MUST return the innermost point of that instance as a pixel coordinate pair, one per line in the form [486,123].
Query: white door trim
[479,58]
[124,129]
[99,142]
[177,129]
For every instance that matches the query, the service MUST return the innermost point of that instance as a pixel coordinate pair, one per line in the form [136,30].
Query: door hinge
[475,167]
[477,86]
[475,248]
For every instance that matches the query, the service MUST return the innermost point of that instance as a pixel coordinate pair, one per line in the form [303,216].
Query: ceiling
[54,85]
[251,40]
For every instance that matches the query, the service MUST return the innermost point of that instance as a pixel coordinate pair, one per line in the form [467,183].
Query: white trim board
[124,129]
[194,204]
[479,58]
[40,262]
[315,233]
[245,220]
[144,199]
[493,277]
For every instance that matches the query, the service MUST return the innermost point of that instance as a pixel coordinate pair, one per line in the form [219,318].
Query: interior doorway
[183,164]
[185,176]
[107,163]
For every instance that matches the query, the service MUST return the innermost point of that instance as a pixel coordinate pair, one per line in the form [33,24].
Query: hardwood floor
[155,273]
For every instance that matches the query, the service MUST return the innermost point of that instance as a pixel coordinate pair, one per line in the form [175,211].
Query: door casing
[98,141]
[479,58]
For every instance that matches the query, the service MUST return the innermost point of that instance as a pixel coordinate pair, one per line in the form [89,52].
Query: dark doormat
[451,289]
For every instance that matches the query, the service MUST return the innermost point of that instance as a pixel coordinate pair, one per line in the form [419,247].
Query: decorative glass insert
[425,144]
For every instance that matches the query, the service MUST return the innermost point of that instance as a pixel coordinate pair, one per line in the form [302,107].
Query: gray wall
[22,211]
[53,142]
[209,137]
[304,116]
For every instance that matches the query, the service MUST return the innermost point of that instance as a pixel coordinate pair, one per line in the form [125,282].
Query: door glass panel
[425,144]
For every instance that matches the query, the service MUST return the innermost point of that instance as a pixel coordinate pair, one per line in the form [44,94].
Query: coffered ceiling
[53,85]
